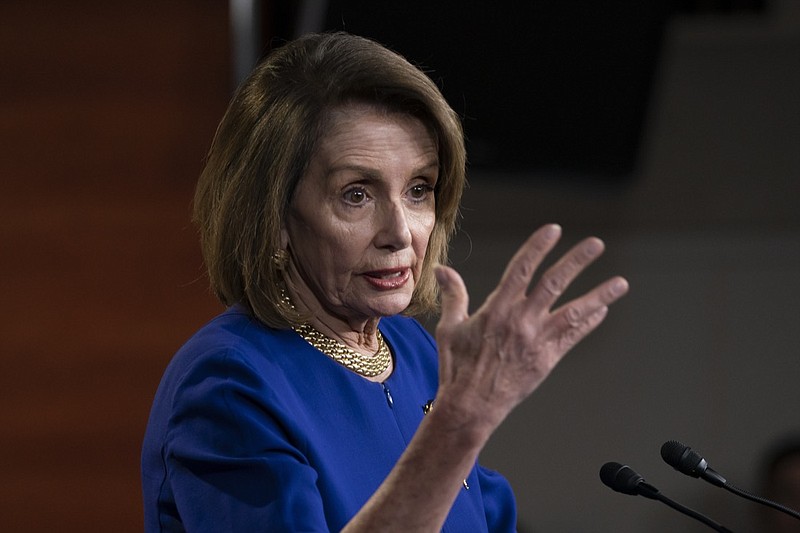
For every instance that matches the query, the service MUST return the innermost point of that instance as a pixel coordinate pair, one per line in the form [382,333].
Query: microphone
[624,479]
[687,461]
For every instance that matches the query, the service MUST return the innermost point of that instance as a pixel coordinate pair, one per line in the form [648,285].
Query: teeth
[392,275]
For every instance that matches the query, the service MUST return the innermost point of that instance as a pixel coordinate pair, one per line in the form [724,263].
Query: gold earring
[280,259]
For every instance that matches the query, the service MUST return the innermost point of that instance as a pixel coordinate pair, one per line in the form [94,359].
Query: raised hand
[492,360]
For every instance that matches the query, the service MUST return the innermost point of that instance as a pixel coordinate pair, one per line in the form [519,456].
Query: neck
[360,334]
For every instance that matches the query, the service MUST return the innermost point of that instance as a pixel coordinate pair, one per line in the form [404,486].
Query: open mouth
[388,279]
[387,275]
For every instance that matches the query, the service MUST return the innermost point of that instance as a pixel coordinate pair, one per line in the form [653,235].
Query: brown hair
[268,135]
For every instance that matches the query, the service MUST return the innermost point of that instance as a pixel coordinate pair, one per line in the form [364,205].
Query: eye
[420,191]
[355,195]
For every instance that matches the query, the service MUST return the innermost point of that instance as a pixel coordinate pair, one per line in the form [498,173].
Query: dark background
[540,85]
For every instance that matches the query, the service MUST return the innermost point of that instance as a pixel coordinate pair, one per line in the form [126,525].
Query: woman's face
[359,221]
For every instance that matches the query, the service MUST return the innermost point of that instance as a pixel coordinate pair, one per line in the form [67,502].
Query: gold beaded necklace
[365,365]
[368,366]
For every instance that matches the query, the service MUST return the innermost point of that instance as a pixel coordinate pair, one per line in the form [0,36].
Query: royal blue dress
[253,429]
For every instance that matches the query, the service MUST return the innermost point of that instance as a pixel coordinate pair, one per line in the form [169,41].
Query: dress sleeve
[231,463]
[498,500]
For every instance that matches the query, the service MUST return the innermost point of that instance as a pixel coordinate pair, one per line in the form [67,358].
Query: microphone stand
[758,499]
[687,461]
[649,491]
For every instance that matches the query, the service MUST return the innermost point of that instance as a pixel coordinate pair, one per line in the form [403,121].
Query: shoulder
[234,326]
[232,349]
[233,334]
[231,369]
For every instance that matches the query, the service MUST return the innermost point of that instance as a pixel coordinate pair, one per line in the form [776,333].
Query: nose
[394,227]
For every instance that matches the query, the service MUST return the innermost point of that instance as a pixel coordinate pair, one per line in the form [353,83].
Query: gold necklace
[365,365]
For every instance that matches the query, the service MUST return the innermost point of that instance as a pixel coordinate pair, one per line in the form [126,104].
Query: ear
[284,237]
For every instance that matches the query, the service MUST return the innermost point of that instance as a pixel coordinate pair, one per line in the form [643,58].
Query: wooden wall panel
[106,111]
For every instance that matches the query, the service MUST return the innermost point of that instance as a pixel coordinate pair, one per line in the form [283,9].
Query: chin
[390,305]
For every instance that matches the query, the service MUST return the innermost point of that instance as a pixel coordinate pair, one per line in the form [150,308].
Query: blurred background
[671,129]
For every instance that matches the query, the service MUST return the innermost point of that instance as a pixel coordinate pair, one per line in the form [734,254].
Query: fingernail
[552,231]
[619,287]
[594,246]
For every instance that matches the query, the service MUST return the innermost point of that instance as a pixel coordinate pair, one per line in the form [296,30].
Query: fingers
[573,334]
[455,299]
[520,269]
[576,319]
[558,277]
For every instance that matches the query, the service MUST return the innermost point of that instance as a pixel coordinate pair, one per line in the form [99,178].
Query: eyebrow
[373,173]
[434,163]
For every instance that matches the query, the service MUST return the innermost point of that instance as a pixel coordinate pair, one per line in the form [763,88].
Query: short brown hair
[266,139]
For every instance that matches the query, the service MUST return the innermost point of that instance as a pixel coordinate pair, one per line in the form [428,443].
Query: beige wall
[706,347]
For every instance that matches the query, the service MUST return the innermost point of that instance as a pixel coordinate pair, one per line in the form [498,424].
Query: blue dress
[253,429]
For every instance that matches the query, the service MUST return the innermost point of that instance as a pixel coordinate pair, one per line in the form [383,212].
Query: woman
[325,209]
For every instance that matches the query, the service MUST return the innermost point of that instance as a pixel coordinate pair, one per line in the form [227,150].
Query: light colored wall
[706,347]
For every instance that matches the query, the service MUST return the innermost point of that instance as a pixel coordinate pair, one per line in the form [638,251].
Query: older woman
[329,196]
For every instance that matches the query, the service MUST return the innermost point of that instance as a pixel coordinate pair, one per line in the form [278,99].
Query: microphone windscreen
[621,478]
[671,452]
[682,458]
